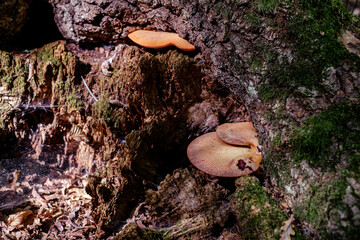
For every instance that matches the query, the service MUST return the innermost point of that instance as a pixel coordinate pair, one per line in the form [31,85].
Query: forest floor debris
[53,205]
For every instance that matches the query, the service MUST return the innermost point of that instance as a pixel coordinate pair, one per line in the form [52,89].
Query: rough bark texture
[291,67]
[257,50]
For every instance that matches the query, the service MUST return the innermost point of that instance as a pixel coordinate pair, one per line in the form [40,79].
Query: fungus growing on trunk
[151,39]
[242,134]
[213,156]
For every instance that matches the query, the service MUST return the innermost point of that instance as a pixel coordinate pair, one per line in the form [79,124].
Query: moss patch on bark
[327,139]
[259,216]
[314,29]
[318,168]
[332,208]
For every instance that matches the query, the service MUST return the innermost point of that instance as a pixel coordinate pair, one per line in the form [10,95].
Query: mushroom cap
[242,134]
[211,155]
[152,39]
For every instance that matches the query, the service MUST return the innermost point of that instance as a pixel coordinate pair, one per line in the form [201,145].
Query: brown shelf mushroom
[242,134]
[152,39]
[213,156]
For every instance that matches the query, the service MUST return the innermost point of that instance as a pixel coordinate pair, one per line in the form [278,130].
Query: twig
[26,106]
[87,87]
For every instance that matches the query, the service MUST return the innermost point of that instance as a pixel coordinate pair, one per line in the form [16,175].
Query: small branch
[26,106]
[87,87]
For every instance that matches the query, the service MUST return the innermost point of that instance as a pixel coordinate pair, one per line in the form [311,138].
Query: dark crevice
[24,118]
[39,29]
[216,230]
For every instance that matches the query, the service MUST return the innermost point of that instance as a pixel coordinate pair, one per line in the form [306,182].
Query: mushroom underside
[213,156]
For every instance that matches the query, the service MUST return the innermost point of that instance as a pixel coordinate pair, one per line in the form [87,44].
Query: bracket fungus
[242,134]
[215,157]
[152,39]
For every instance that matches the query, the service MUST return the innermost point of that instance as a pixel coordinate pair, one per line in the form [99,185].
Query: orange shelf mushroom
[213,156]
[242,134]
[152,39]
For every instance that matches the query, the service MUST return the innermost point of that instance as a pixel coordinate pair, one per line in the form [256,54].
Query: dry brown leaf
[65,182]
[39,198]
[287,229]
[17,219]
[13,182]
[49,213]
[78,193]
[52,197]
[74,225]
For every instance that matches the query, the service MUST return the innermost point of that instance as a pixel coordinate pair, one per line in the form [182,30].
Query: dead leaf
[38,197]
[13,180]
[287,229]
[19,218]
[78,193]
[74,225]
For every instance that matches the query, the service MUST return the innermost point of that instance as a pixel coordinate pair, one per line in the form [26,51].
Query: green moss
[153,235]
[266,6]
[324,209]
[46,54]
[314,28]
[61,86]
[13,72]
[329,140]
[101,108]
[256,64]
[6,60]
[6,79]
[103,111]
[225,10]
[253,19]
[21,84]
[259,216]
[72,101]
[263,55]
[268,93]
[325,139]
